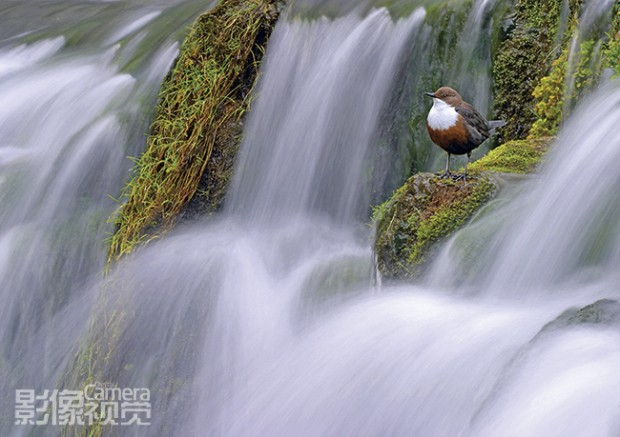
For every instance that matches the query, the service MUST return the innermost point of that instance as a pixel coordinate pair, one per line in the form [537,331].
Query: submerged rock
[603,312]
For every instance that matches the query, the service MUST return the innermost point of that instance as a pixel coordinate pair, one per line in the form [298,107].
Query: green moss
[574,73]
[197,127]
[95,352]
[517,68]
[558,92]
[421,213]
[427,210]
[519,156]
[524,58]
[611,50]
[585,74]
[550,99]
[448,217]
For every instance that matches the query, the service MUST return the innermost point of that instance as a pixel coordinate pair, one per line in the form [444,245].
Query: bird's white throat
[441,116]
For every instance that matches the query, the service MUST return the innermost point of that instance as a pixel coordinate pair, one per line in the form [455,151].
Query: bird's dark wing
[477,126]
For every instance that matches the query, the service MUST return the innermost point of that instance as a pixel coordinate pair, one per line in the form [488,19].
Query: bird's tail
[494,124]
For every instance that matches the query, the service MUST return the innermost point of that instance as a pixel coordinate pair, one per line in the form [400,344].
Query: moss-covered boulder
[519,156]
[197,127]
[427,210]
[424,211]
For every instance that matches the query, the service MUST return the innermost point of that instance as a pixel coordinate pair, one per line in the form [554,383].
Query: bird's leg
[464,175]
[466,164]
[446,174]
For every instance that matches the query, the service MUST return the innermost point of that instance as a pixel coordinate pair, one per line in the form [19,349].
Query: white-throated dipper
[456,126]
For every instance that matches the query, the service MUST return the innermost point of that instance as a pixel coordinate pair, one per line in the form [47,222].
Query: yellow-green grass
[202,102]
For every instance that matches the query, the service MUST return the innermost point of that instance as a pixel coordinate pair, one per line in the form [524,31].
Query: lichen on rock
[424,211]
[197,127]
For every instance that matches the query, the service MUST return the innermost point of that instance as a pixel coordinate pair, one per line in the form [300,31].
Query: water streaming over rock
[572,204]
[339,74]
[73,109]
[264,322]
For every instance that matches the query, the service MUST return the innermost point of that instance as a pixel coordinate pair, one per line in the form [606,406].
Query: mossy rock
[578,70]
[519,156]
[549,95]
[525,57]
[424,211]
[427,210]
[611,50]
[198,124]
[108,353]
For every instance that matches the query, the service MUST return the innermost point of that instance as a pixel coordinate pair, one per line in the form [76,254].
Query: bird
[456,126]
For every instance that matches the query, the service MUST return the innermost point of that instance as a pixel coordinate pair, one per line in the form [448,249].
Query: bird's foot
[458,177]
[445,175]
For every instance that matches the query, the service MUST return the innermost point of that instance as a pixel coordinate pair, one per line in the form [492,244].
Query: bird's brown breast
[453,140]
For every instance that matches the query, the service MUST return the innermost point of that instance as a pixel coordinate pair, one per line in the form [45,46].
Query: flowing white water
[414,361]
[340,81]
[264,322]
[572,204]
[71,113]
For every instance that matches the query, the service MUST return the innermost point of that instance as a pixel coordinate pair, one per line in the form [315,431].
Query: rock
[424,211]
[427,210]
[603,312]
[198,123]
[525,57]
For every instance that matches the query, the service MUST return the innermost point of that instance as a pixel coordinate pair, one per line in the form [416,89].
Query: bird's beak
[430,95]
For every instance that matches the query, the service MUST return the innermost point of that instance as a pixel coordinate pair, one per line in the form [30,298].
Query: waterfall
[339,75]
[572,204]
[73,109]
[263,320]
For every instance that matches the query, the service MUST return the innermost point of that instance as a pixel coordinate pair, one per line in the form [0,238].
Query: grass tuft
[202,103]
